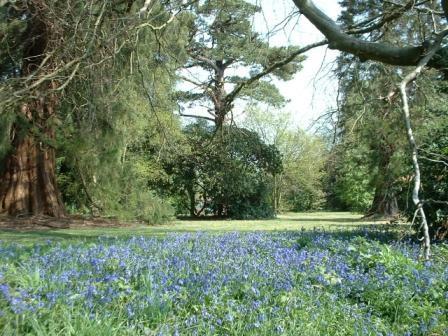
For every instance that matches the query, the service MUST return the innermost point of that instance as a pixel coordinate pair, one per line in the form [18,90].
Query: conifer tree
[229,60]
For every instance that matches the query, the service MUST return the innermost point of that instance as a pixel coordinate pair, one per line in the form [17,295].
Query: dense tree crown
[385,32]
[229,60]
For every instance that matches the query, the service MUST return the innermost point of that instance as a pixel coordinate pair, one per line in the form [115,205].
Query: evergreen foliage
[372,164]
[228,60]
[98,102]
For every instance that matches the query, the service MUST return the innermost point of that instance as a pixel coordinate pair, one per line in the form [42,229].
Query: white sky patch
[313,90]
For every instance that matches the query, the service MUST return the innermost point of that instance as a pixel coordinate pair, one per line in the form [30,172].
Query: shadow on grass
[6,235]
[326,220]
[280,219]
[25,237]
[339,232]
[369,226]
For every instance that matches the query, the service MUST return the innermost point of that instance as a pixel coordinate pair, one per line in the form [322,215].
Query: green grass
[328,221]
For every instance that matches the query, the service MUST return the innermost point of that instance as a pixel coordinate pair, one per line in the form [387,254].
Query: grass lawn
[329,221]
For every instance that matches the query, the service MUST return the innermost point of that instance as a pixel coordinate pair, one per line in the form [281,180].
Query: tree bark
[28,178]
[219,95]
[417,56]
[28,183]
[384,202]
[192,197]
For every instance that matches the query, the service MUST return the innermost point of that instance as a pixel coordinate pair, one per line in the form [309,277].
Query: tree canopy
[229,60]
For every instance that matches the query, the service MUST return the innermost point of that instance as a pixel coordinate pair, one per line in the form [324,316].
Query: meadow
[301,274]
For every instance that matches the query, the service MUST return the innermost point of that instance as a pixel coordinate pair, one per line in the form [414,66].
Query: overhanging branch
[376,51]
[232,95]
[196,116]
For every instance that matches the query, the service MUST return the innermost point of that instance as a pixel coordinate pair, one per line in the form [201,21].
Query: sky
[312,92]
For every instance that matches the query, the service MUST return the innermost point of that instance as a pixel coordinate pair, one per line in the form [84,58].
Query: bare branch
[163,25]
[436,202]
[413,144]
[435,161]
[387,17]
[196,116]
[192,81]
[145,7]
[377,51]
[207,61]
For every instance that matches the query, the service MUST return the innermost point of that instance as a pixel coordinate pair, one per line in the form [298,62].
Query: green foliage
[224,173]
[299,186]
[109,148]
[349,185]
[370,125]
[373,129]
[225,52]
[6,122]
[434,170]
[304,173]
[303,283]
[12,28]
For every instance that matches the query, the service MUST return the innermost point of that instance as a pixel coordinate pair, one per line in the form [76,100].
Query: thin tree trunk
[191,196]
[274,193]
[424,227]
[204,205]
[414,153]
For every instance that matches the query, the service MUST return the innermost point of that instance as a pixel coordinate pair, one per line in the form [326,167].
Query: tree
[383,52]
[298,187]
[429,53]
[274,129]
[364,119]
[42,61]
[228,60]
[348,185]
[435,187]
[224,174]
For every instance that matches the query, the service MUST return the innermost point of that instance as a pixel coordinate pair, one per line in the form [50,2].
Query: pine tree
[228,60]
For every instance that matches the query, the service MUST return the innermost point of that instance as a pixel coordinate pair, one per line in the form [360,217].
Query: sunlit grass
[327,221]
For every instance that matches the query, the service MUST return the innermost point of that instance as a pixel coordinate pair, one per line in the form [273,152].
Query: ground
[31,230]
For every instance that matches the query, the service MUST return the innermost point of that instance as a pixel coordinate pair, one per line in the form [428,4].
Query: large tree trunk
[28,182]
[28,178]
[384,202]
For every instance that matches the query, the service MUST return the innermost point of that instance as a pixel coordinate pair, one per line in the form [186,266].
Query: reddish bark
[28,181]
[28,184]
